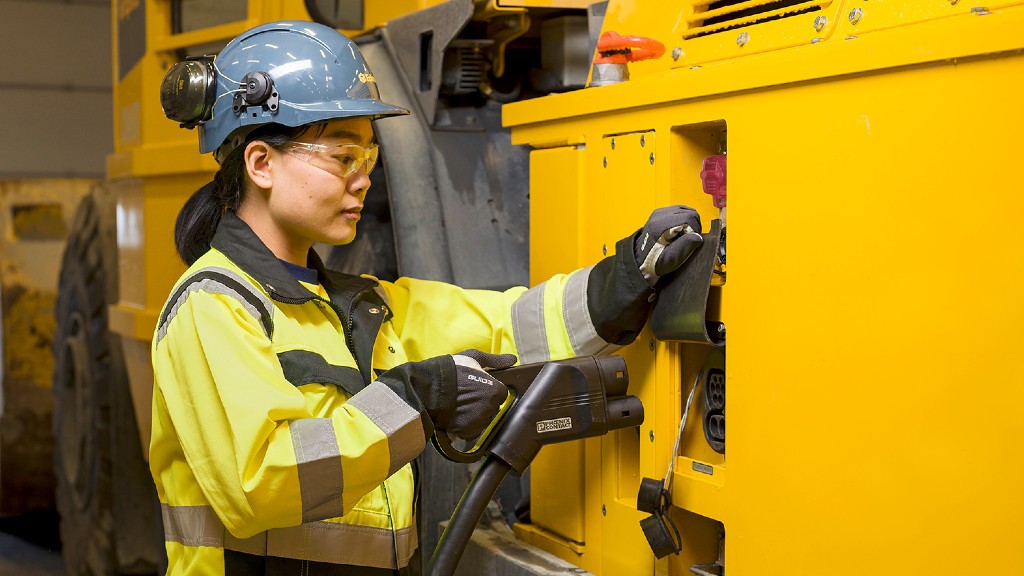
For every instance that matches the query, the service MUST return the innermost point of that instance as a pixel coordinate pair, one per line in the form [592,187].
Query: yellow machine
[868,369]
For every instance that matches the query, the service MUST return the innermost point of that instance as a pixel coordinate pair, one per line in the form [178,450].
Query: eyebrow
[350,136]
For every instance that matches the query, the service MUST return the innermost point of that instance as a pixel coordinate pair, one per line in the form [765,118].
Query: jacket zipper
[347,319]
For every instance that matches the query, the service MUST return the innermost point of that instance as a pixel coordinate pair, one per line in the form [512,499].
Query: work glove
[668,238]
[455,391]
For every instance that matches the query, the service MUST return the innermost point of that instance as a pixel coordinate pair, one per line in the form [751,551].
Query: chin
[341,239]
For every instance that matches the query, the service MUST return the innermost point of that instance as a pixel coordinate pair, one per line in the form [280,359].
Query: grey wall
[55,88]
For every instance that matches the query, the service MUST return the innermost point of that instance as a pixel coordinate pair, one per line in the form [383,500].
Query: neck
[283,247]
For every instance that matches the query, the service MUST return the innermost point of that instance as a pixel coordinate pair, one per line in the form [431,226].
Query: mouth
[352,213]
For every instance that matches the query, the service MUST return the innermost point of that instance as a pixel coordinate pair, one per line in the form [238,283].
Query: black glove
[670,236]
[478,394]
[456,393]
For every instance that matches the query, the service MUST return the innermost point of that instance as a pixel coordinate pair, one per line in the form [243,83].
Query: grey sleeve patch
[217,280]
[528,326]
[398,421]
[192,525]
[576,315]
[321,482]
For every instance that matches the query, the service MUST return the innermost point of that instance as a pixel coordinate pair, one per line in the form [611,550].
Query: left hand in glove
[670,236]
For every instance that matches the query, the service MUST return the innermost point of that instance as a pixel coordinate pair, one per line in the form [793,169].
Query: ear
[258,157]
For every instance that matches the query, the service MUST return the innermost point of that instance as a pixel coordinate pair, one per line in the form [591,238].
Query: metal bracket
[418,41]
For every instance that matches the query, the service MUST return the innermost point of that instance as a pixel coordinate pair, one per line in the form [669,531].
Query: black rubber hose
[466,516]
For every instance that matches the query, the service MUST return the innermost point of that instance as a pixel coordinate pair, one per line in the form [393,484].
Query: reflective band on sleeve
[576,314]
[528,326]
[219,281]
[344,544]
[192,525]
[319,465]
[399,422]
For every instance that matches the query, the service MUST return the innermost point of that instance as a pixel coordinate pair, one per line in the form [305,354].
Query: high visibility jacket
[274,446]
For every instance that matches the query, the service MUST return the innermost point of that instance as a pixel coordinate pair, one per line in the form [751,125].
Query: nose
[359,183]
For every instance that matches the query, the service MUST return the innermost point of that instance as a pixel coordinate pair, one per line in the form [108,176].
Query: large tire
[90,387]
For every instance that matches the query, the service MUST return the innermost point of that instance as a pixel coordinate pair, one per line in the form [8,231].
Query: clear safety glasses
[342,160]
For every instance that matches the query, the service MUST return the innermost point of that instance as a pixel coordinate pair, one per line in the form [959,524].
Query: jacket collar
[236,240]
[352,297]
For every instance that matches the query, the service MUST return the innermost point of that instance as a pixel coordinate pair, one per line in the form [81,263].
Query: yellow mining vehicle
[871,379]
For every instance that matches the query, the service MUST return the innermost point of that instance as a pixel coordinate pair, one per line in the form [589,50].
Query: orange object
[614,48]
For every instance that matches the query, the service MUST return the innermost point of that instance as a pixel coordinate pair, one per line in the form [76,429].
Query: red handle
[613,48]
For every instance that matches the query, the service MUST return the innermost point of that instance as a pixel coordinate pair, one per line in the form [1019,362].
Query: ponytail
[198,219]
[196,223]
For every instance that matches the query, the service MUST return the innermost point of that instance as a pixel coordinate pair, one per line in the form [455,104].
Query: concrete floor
[22,558]
[29,546]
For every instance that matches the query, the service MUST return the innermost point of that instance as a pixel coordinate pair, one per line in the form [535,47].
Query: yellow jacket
[275,449]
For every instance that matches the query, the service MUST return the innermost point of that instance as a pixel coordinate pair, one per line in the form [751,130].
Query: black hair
[198,219]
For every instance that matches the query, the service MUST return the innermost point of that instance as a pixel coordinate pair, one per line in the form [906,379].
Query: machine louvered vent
[711,16]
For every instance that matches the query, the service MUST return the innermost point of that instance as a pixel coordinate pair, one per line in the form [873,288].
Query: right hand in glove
[668,238]
[456,392]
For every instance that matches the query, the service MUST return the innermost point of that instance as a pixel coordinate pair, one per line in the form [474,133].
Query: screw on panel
[819,23]
[742,39]
[651,435]
[604,250]
[652,157]
[604,510]
[651,344]
[605,161]
[613,143]
[676,53]
[855,15]
[642,141]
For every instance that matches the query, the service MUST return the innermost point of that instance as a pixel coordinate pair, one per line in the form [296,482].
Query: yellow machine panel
[857,413]
[872,302]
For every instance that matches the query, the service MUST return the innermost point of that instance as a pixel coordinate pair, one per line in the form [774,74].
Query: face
[313,190]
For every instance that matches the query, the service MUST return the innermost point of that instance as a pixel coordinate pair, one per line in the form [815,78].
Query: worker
[290,400]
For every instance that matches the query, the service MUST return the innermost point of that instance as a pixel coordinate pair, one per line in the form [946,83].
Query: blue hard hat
[291,73]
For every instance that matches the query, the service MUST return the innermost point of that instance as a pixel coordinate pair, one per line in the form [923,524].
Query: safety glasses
[341,160]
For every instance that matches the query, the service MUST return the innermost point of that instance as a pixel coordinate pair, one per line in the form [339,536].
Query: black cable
[466,516]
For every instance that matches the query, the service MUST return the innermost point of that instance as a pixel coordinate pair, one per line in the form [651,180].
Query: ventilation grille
[712,16]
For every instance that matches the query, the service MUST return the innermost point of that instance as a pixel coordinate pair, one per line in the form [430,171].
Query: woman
[289,399]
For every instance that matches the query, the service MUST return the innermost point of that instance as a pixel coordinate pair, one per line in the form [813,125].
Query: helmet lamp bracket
[257,90]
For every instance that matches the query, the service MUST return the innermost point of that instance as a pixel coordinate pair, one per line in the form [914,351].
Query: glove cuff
[428,386]
[618,297]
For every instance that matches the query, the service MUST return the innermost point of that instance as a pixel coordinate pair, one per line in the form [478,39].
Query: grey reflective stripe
[192,525]
[528,326]
[317,541]
[576,313]
[400,422]
[256,545]
[344,544]
[219,281]
[319,465]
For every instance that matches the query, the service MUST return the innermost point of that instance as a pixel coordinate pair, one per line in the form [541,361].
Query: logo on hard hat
[365,77]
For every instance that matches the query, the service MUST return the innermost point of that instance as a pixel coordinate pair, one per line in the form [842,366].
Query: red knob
[712,178]
[613,48]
